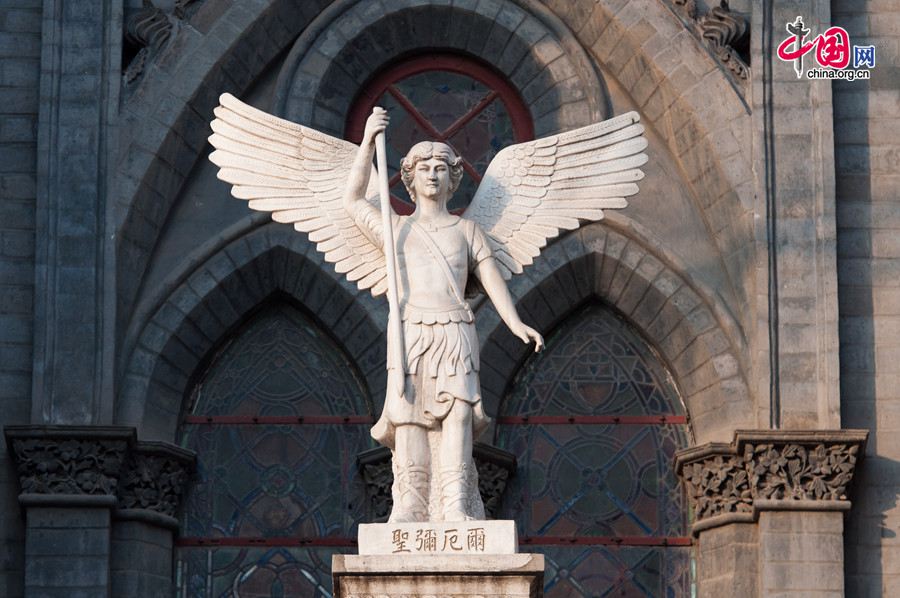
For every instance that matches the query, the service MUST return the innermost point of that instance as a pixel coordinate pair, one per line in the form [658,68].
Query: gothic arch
[340,50]
[697,339]
[166,116]
[216,298]
[690,99]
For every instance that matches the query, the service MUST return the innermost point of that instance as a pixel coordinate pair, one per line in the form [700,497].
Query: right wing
[298,175]
[533,190]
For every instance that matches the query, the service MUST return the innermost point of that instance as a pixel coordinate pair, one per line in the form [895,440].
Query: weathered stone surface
[489,576]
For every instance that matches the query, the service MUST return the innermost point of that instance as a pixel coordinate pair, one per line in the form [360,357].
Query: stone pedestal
[418,576]
[458,560]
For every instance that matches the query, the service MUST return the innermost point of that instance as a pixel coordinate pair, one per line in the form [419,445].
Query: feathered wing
[297,174]
[532,191]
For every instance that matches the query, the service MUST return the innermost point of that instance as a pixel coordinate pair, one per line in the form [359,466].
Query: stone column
[145,520]
[74,288]
[768,510]
[100,509]
[68,477]
[794,155]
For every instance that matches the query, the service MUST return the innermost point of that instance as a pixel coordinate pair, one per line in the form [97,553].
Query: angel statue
[428,263]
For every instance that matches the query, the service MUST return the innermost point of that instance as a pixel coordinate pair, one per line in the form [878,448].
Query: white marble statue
[328,189]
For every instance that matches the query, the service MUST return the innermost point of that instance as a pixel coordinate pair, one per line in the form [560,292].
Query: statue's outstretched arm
[494,285]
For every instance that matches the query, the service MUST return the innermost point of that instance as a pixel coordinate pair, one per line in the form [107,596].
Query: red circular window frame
[520,117]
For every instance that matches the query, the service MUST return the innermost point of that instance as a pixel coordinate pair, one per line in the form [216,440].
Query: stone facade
[760,260]
[868,267]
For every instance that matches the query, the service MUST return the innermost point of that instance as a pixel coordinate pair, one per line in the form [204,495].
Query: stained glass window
[595,423]
[445,98]
[277,421]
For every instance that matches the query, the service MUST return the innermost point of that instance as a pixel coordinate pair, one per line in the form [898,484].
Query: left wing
[298,175]
[531,191]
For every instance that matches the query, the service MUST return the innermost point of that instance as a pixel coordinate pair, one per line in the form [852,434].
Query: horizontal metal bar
[342,541]
[632,420]
[605,541]
[279,419]
[286,541]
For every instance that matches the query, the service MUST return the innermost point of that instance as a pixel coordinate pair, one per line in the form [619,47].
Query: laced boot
[410,494]
[454,492]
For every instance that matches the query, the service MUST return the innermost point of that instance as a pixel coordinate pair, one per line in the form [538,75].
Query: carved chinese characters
[475,537]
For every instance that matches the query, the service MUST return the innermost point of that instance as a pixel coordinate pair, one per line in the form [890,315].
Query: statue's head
[428,150]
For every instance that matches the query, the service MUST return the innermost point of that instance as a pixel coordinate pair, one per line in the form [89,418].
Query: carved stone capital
[60,464]
[769,470]
[495,467]
[153,482]
[102,466]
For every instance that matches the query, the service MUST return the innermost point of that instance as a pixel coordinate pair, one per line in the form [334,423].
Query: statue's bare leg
[456,449]
[411,474]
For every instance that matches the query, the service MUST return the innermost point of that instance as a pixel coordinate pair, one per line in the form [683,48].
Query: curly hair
[425,150]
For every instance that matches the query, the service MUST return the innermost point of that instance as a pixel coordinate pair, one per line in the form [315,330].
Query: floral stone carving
[718,485]
[70,461]
[769,465]
[155,478]
[794,471]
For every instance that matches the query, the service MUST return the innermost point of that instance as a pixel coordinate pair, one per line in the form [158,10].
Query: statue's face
[431,180]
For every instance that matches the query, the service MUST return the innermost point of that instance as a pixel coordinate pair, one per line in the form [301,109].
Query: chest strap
[435,252]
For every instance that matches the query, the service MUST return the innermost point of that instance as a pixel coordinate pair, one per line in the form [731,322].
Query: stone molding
[432,576]
[148,30]
[556,79]
[769,470]
[100,466]
[726,33]
[495,466]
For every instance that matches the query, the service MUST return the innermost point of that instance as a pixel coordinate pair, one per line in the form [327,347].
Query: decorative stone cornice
[725,33]
[495,467]
[153,482]
[68,461]
[769,470]
[149,29]
[104,466]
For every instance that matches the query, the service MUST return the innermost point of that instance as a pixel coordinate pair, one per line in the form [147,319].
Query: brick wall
[867,153]
[20,52]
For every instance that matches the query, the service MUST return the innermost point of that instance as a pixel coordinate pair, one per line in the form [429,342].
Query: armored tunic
[441,345]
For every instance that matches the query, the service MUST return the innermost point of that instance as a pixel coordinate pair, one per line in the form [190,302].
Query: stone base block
[431,538]
[456,576]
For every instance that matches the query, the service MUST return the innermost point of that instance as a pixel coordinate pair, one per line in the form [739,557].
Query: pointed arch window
[595,422]
[277,420]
